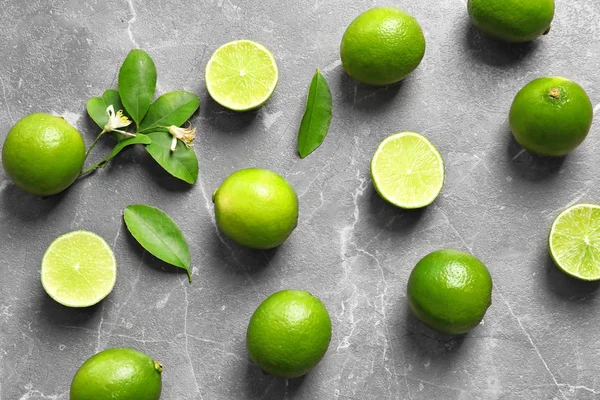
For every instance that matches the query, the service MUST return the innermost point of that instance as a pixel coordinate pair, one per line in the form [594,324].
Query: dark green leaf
[182,163]
[97,111]
[173,108]
[317,117]
[159,235]
[138,139]
[137,82]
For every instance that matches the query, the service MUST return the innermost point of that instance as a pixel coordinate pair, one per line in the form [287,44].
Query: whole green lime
[118,374]
[43,154]
[450,291]
[289,333]
[551,116]
[382,46]
[512,20]
[257,208]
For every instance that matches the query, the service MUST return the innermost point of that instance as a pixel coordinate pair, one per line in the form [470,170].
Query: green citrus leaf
[139,138]
[317,117]
[159,235]
[137,82]
[181,163]
[97,111]
[173,108]
[112,97]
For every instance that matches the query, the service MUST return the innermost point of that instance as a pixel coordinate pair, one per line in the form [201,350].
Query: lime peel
[289,333]
[450,291]
[256,208]
[382,46]
[117,374]
[43,154]
[551,116]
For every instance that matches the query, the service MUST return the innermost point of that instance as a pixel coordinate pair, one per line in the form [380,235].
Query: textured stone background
[539,340]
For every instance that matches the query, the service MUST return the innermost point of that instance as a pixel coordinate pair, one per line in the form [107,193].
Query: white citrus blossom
[117,120]
[186,135]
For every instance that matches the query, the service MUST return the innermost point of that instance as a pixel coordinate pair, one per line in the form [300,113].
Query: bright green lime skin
[43,154]
[289,333]
[512,20]
[547,125]
[382,46]
[450,291]
[257,208]
[118,374]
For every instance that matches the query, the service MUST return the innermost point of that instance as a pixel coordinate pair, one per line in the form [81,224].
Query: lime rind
[408,170]
[241,75]
[574,241]
[79,269]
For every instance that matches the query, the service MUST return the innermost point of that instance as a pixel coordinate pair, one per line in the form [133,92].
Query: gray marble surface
[539,340]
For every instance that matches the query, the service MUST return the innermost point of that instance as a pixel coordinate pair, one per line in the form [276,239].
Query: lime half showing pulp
[241,75]
[407,170]
[575,241]
[79,269]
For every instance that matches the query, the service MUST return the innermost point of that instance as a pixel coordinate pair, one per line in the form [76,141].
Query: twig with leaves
[131,117]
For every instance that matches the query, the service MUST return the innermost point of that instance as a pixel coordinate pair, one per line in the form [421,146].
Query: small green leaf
[139,138]
[159,235]
[181,163]
[173,108]
[137,82]
[317,117]
[97,111]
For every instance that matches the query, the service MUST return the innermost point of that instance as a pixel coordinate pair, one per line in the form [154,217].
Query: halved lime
[407,170]
[241,75]
[79,269]
[575,241]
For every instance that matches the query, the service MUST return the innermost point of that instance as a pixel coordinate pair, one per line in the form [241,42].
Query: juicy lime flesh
[43,154]
[450,291]
[382,46]
[117,374]
[289,333]
[407,170]
[551,116]
[79,269]
[256,208]
[512,20]
[575,241]
[241,75]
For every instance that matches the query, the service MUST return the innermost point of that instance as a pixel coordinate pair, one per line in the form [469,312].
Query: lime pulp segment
[575,241]
[241,75]
[78,269]
[407,170]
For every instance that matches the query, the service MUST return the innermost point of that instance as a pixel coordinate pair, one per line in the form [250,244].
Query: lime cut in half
[79,269]
[575,241]
[407,170]
[241,75]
